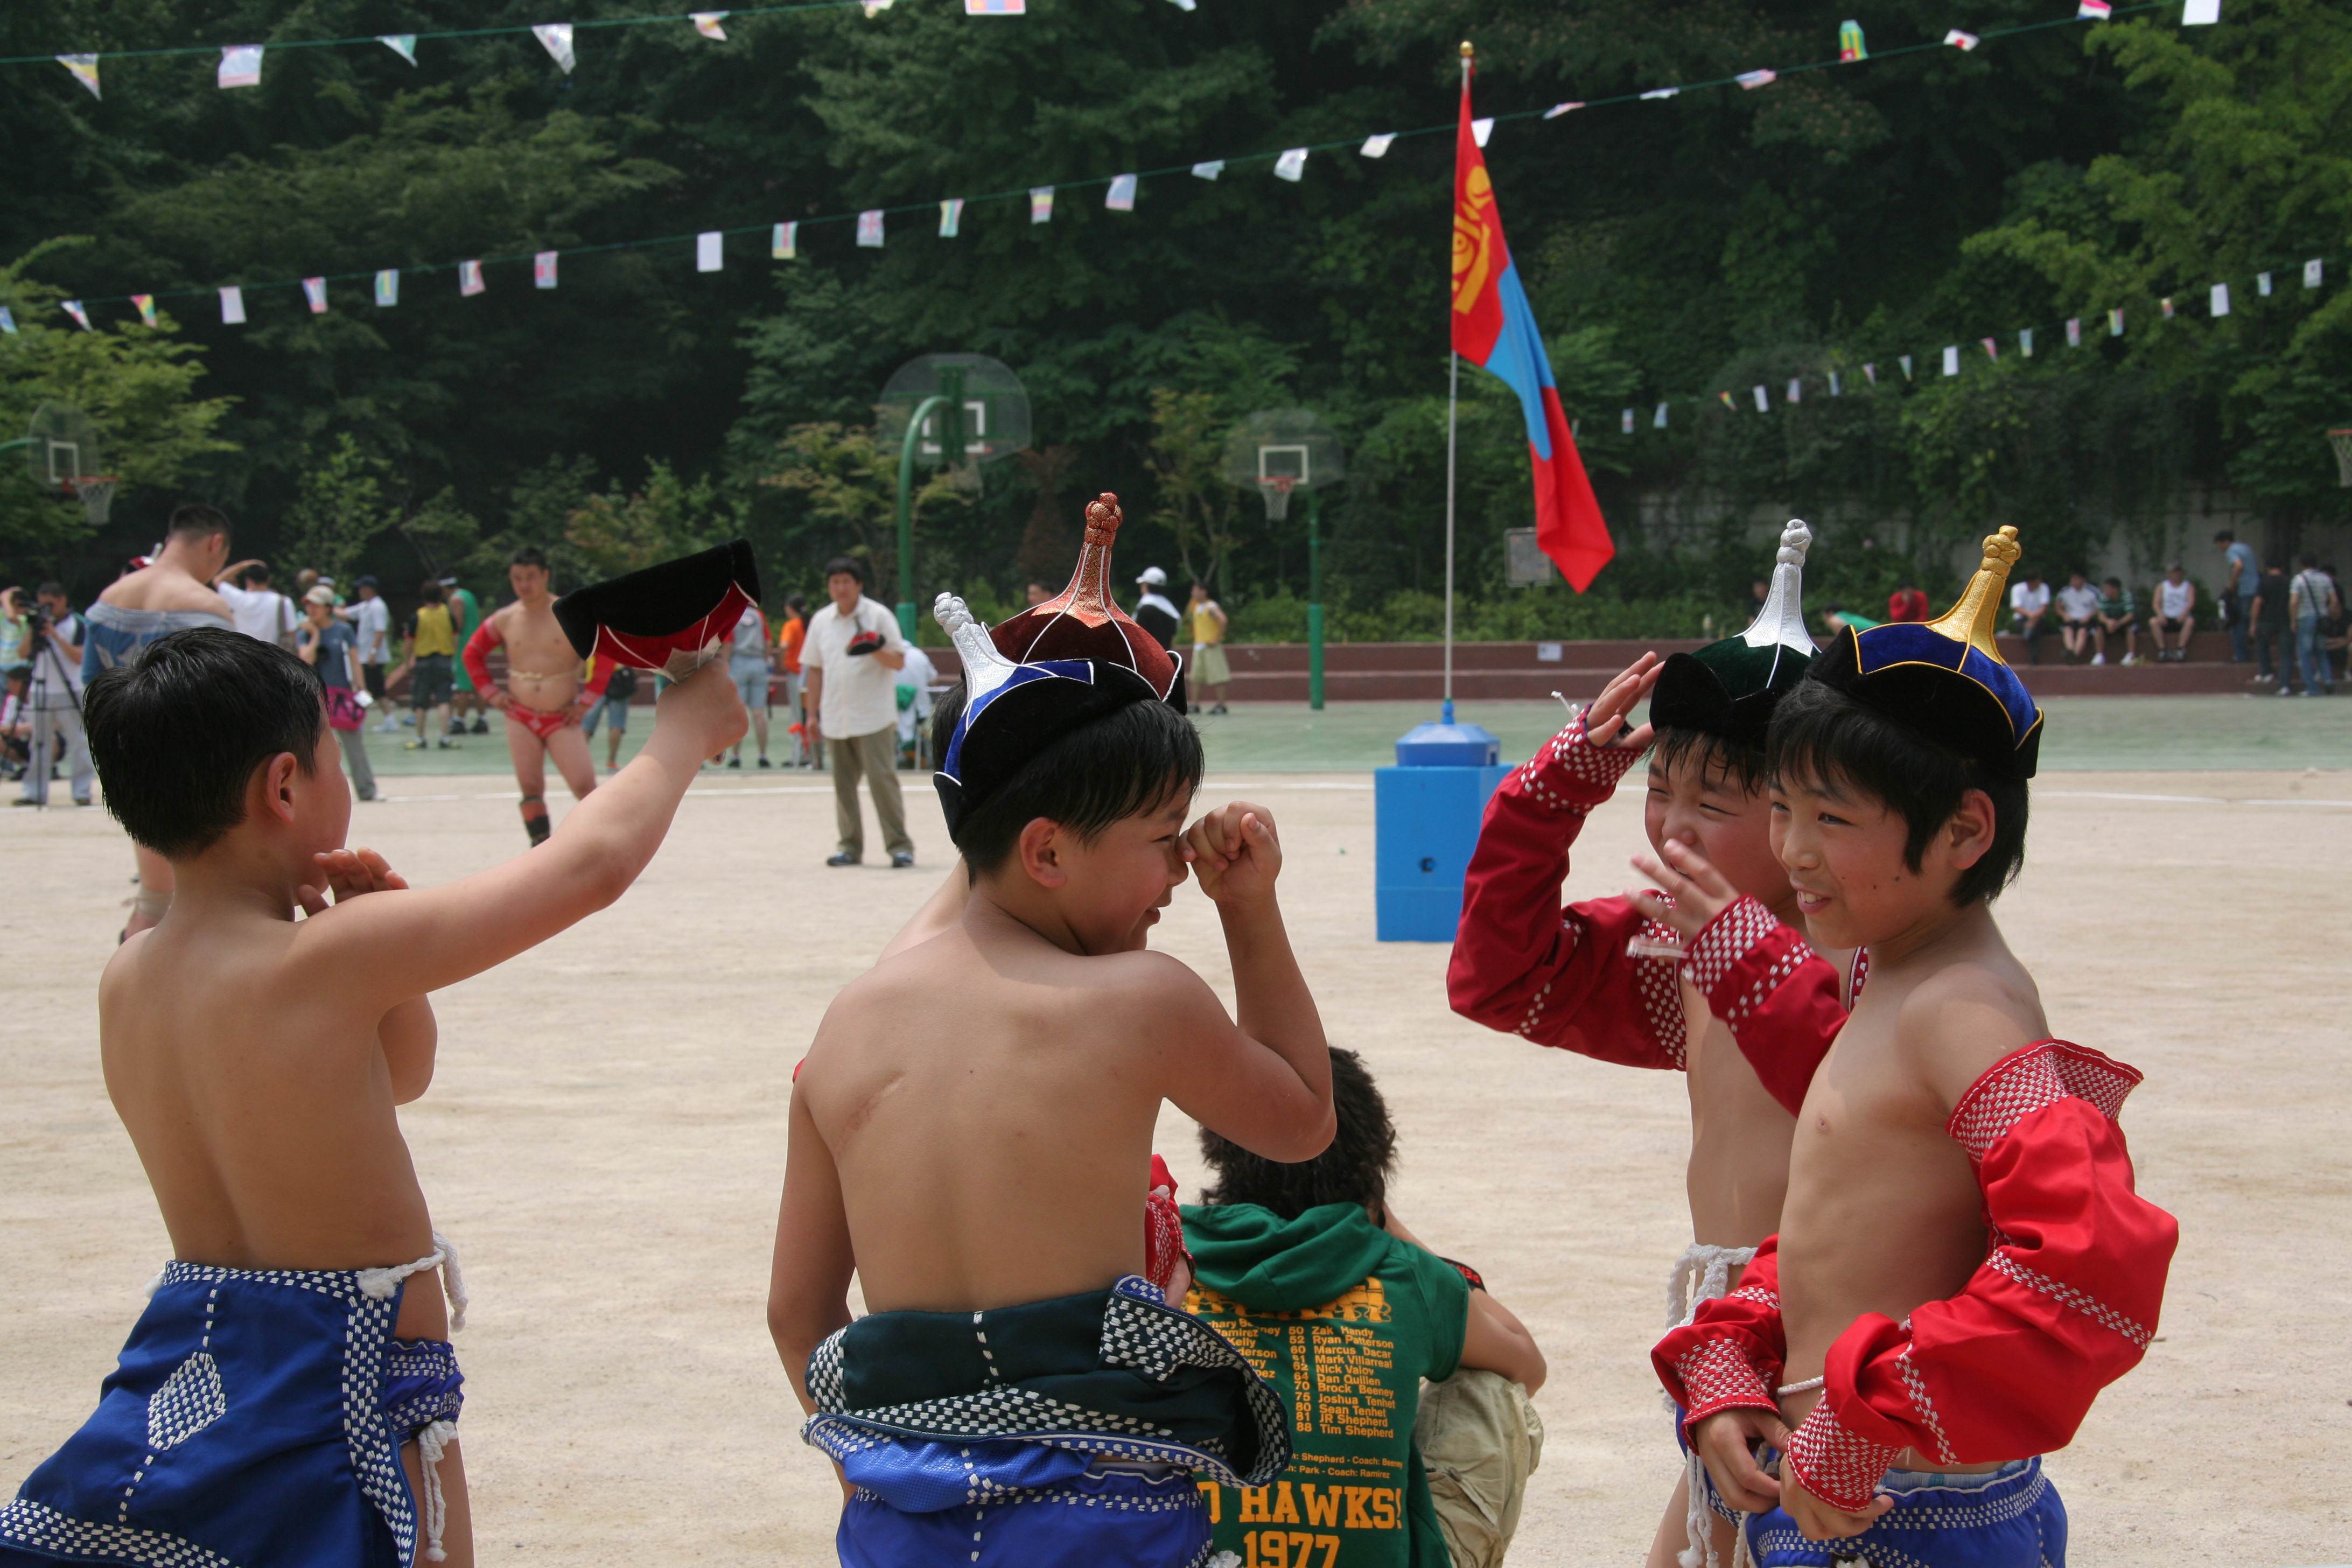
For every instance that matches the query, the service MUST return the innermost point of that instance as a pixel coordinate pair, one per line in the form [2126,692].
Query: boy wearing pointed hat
[1962,1262]
[1717,980]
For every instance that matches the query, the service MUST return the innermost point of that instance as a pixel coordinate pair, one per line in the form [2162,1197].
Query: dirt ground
[605,1140]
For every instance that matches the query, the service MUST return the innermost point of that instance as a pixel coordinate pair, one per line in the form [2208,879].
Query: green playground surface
[2110,734]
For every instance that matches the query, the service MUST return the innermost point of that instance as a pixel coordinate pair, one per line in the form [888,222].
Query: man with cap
[1711,979]
[1153,612]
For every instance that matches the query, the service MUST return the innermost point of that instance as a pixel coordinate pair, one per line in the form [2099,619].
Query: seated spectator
[16,727]
[2175,616]
[1909,602]
[2078,612]
[2119,615]
[2029,613]
[1308,1270]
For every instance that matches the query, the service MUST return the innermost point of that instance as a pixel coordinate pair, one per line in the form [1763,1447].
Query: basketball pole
[1314,603]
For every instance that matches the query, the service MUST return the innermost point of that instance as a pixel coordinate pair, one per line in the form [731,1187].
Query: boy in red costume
[544,696]
[1750,1006]
[1962,1263]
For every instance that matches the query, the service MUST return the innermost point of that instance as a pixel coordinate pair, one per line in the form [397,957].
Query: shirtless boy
[971,1132]
[544,697]
[286,1400]
[1751,997]
[1962,1262]
[170,594]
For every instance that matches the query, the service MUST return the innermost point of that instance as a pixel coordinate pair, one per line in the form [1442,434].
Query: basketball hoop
[1277,489]
[2342,441]
[97,493]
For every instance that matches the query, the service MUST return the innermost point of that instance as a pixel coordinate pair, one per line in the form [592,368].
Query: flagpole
[1453,423]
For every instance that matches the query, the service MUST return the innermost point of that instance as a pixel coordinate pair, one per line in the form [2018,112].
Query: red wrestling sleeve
[477,652]
[2065,1304]
[1558,977]
[600,676]
[1781,1001]
[1728,1356]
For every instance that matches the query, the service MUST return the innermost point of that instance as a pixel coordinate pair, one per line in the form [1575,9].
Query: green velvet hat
[1730,687]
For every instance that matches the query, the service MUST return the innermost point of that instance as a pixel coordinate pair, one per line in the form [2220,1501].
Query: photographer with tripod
[52,648]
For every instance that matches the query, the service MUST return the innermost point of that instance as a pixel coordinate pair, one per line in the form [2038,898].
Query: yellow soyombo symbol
[1473,241]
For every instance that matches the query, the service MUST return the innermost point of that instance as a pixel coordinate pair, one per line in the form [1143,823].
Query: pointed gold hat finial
[1972,620]
[1469,52]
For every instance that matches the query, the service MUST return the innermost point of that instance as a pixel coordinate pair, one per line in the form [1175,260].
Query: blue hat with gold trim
[1943,677]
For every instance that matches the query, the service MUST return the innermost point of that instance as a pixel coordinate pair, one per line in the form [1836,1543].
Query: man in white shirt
[261,613]
[851,662]
[2176,615]
[372,619]
[52,651]
[2313,600]
[2078,611]
[2029,613]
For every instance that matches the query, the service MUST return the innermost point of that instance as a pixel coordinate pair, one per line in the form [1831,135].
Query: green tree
[338,511]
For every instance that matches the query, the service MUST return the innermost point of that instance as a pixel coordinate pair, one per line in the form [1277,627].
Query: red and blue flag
[1495,329]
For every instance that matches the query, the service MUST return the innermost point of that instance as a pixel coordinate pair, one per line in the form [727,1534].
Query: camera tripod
[45,658]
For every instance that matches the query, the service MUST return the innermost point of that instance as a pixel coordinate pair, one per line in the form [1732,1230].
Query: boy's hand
[1604,721]
[1722,1441]
[1817,1520]
[347,873]
[706,702]
[1235,853]
[1701,892]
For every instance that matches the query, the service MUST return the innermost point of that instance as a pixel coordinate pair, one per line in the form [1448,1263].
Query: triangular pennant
[556,38]
[85,70]
[1209,171]
[7,320]
[470,277]
[401,44]
[73,308]
[950,217]
[707,23]
[1121,198]
[1377,146]
[1291,165]
[240,65]
[314,290]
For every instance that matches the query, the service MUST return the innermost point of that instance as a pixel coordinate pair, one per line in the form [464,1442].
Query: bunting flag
[1850,45]
[2115,323]
[1120,197]
[2218,302]
[470,277]
[1835,390]
[1184,4]
[1658,420]
[1041,203]
[1753,79]
[2263,284]
[1951,358]
[232,301]
[1796,390]
[1905,360]
[873,8]
[73,308]
[784,244]
[7,320]
[146,303]
[1661,92]
[1870,374]
[1210,170]
[387,288]
[995,7]
[1483,129]
[1291,165]
[1625,422]
[1991,349]
[2025,342]
[1728,403]
[950,217]
[240,65]
[2310,274]
[2074,332]
[869,229]
[2094,11]
[1557,110]
[707,23]
[314,290]
[85,70]
[2200,13]
[1494,327]
[555,38]
[1962,41]
[2166,304]
[710,251]
[1763,402]
[401,44]
[542,270]
[1378,146]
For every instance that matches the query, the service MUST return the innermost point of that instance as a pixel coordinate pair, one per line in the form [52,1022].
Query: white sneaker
[2098,659]
[2131,658]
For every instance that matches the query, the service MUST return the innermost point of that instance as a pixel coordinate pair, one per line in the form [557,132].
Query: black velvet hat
[1730,687]
[675,617]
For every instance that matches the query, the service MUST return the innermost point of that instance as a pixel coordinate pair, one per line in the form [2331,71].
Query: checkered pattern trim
[1720,1376]
[189,1401]
[1916,1387]
[1841,1468]
[37,1527]
[1139,1332]
[2058,1290]
[1658,988]
[434,1364]
[1570,773]
[1182,1496]
[2025,1081]
[1724,940]
[1953,1511]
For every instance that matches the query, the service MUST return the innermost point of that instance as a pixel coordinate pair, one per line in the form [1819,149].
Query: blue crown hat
[1013,711]
[1943,677]
[1730,687]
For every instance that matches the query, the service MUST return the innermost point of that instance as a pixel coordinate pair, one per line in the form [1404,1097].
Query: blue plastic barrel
[1425,816]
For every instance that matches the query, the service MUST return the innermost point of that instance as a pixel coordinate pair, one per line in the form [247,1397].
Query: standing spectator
[2176,615]
[2078,615]
[2029,613]
[1153,613]
[432,650]
[1909,602]
[1039,593]
[2243,578]
[372,619]
[2118,616]
[331,647]
[2312,602]
[852,657]
[2338,624]
[15,720]
[12,631]
[612,709]
[916,679]
[465,615]
[262,612]
[747,667]
[2272,629]
[52,649]
[790,636]
[1209,673]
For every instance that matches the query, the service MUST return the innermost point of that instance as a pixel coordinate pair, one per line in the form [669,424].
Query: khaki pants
[876,757]
[1480,1439]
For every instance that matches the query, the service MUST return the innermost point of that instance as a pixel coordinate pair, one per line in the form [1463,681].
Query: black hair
[1825,736]
[198,521]
[257,573]
[177,732]
[2225,534]
[1717,755]
[1130,760]
[796,603]
[1354,1170]
[51,590]
[529,555]
[2310,562]
[432,593]
[849,563]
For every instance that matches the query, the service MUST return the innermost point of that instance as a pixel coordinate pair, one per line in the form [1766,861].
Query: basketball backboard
[1281,450]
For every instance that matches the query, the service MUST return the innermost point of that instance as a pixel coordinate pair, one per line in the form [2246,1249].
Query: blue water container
[1425,816]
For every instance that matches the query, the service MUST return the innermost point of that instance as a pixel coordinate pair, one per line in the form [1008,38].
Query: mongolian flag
[1494,327]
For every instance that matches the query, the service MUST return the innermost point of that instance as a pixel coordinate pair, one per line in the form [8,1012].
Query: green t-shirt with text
[1345,1320]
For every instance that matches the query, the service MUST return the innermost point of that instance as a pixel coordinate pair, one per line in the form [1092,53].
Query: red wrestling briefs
[541,721]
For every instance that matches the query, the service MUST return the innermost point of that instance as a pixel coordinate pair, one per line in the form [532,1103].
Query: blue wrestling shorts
[1043,1508]
[255,1420]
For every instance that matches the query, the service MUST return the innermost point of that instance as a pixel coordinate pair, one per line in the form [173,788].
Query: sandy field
[605,1140]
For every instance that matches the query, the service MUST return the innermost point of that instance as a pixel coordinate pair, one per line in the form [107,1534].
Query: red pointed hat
[672,617]
[1081,622]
